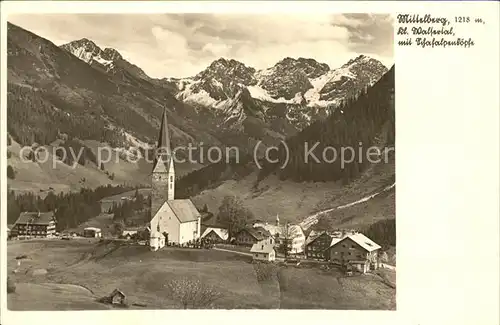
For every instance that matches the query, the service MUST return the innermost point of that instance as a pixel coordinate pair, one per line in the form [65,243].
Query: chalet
[92,232]
[35,224]
[316,244]
[251,235]
[178,219]
[293,233]
[215,235]
[263,251]
[354,250]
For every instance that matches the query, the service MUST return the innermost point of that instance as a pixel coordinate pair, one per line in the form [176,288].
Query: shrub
[11,285]
[10,172]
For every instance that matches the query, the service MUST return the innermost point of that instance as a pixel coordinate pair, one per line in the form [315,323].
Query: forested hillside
[71,209]
[363,122]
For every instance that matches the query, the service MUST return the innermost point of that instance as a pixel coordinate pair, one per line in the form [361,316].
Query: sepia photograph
[200,161]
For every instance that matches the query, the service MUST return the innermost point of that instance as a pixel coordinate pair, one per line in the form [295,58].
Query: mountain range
[79,94]
[296,90]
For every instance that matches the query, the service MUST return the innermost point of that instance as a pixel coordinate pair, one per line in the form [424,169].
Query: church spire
[163,150]
[163,137]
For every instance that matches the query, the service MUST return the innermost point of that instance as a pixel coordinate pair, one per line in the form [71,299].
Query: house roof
[294,231]
[129,232]
[221,232]
[36,218]
[92,229]
[262,247]
[364,242]
[258,233]
[184,210]
[117,292]
[360,239]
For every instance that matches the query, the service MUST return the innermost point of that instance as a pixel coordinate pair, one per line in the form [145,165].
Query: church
[173,221]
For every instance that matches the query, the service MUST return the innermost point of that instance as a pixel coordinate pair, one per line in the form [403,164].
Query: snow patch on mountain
[312,96]
[258,92]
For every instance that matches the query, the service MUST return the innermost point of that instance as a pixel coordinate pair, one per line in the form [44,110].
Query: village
[178,223]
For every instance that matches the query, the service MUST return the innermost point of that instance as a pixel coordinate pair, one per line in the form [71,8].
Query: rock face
[227,103]
[355,75]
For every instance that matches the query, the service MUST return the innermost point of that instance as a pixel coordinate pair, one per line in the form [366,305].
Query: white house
[178,220]
[263,251]
[294,233]
[156,240]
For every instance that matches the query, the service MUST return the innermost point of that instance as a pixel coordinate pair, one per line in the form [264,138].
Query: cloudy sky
[181,45]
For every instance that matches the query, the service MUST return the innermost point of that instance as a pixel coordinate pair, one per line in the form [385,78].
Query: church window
[171,178]
[170,185]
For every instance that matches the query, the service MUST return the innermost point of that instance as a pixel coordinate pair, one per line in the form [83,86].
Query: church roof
[163,149]
[164,138]
[184,210]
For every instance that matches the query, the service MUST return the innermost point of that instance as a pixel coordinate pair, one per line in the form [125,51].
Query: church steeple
[163,176]
[163,147]
[164,138]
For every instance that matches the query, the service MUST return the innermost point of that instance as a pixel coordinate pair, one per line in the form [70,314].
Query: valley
[80,97]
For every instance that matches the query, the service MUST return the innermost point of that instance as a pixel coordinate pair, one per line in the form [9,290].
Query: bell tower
[163,175]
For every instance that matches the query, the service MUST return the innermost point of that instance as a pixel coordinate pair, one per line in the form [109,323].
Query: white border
[447,171]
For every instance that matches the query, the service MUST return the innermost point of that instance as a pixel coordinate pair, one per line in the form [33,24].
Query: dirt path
[313,219]
[231,251]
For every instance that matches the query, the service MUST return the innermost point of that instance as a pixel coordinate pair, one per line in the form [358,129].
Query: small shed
[117,297]
[92,232]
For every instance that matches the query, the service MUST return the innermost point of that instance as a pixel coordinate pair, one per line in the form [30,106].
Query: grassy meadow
[72,275]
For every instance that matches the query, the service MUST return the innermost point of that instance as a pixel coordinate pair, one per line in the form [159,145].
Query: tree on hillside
[117,228]
[233,215]
[10,172]
[204,209]
[193,293]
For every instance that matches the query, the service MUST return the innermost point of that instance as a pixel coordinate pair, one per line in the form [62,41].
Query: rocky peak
[310,67]
[224,69]
[111,54]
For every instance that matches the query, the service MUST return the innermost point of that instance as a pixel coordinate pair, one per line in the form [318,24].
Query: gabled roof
[258,233]
[260,247]
[184,210]
[35,218]
[221,232]
[129,232]
[364,242]
[360,239]
[117,292]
